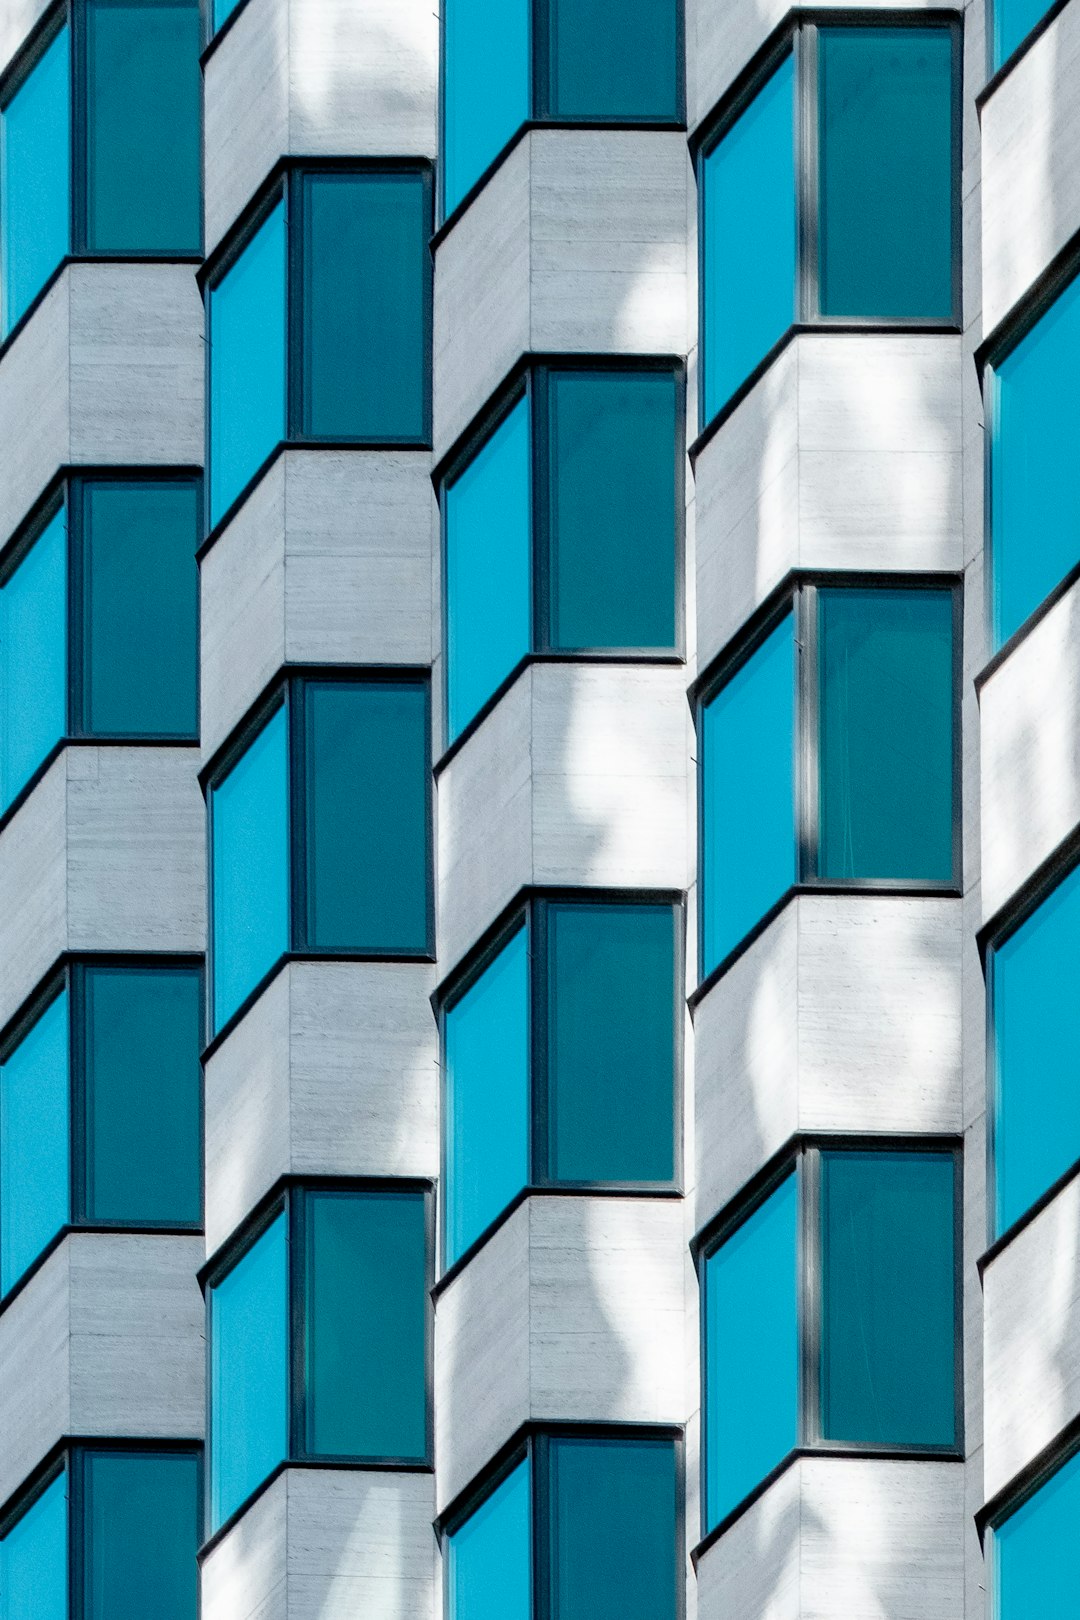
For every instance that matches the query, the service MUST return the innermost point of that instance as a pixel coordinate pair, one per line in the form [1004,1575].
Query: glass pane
[749,239]
[614,59]
[613,1530]
[367,815]
[143,126]
[748,793]
[611,1101]
[246,329]
[486,86]
[33,659]
[1034,470]
[488,568]
[250,834]
[613,512]
[366,1316]
[143,1085]
[34,1142]
[1013,21]
[249,1358]
[1035,1554]
[34,1560]
[141,586]
[886,734]
[365,306]
[751,1352]
[489,1558]
[487,1096]
[223,9]
[888,1309]
[142,1534]
[886,177]
[35,196]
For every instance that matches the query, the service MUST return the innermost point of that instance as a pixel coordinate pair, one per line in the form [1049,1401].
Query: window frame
[1017,1493]
[996,72]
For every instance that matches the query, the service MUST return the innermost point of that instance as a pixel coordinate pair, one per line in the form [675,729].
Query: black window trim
[1027,1482]
[996,76]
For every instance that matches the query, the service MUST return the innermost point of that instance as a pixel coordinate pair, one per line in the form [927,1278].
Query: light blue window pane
[223,9]
[749,238]
[34,1560]
[1035,1554]
[487,1096]
[1034,468]
[250,829]
[1013,21]
[249,1355]
[35,196]
[34,1137]
[247,363]
[486,86]
[748,793]
[751,1351]
[33,659]
[488,566]
[489,1557]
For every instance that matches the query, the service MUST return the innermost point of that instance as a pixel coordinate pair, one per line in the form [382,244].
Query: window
[561,1053]
[830,1316]
[1034,1554]
[101,1106]
[1013,21]
[319,322]
[545,556]
[320,831]
[319,1339]
[854,691]
[35,197]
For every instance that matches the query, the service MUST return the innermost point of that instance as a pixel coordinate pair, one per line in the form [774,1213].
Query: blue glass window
[222,10]
[1035,1551]
[35,1132]
[487,87]
[34,1559]
[33,658]
[142,1523]
[489,1558]
[1013,22]
[35,197]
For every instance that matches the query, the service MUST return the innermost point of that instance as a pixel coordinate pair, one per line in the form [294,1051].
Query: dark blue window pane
[35,196]
[33,659]
[489,1556]
[888,1308]
[751,1352]
[366,1325]
[886,178]
[34,1138]
[486,86]
[142,1534]
[613,1530]
[1035,1555]
[34,1560]
[748,239]
[1013,22]
[614,59]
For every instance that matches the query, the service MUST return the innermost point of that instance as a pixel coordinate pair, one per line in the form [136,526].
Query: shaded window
[34,1559]
[1035,1551]
[142,1528]
[1013,21]
[33,658]
[35,165]
[35,1133]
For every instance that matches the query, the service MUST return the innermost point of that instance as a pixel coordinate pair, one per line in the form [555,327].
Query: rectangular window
[35,166]
[487,94]
[614,59]
[35,1141]
[489,1558]
[34,1558]
[1013,21]
[1034,1553]
[142,1524]
[33,658]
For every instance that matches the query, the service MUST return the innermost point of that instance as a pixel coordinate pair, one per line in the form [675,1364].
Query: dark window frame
[996,75]
[1024,1485]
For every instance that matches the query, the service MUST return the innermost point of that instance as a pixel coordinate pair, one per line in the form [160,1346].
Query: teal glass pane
[613,1514]
[749,239]
[143,1088]
[1013,22]
[34,1559]
[888,1298]
[1035,1553]
[488,568]
[613,509]
[751,1352]
[611,1043]
[34,1142]
[142,1529]
[249,1359]
[366,1325]
[33,659]
[35,168]
[249,824]
[886,177]
[487,1097]
[140,608]
[748,794]
[486,86]
[367,815]
[246,326]
[614,59]
[489,1560]
[143,126]
[223,9]
[885,744]
[365,306]
[1034,471]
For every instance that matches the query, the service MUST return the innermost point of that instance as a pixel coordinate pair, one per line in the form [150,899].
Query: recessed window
[1013,21]
[1034,1553]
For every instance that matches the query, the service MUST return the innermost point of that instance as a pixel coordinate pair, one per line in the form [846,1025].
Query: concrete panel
[17,18]
[35,406]
[244,1577]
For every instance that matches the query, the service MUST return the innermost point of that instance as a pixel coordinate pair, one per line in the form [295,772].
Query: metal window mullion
[78,1094]
[539,994]
[78,103]
[540,60]
[807,744]
[808,1189]
[294,302]
[295,704]
[805,45]
[73,1464]
[538,397]
[296,1264]
[539,1455]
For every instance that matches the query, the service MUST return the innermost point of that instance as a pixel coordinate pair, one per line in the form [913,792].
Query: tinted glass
[250,833]
[748,793]
[366,1325]
[748,239]
[614,58]
[249,1354]
[886,734]
[140,608]
[613,1530]
[751,1352]
[367,815]
[247,363]
[35,197]
[611,990]
[34,1142]
[886,172]
[1036,1552]
[489,1557]
[613,510]
[486,86]
[143,135]
[142,1534]
[143,1083]
[33,659]
[1013,21]
[34,1560]
[888,1311]
[223,9]
[487,1096]
[488,568]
